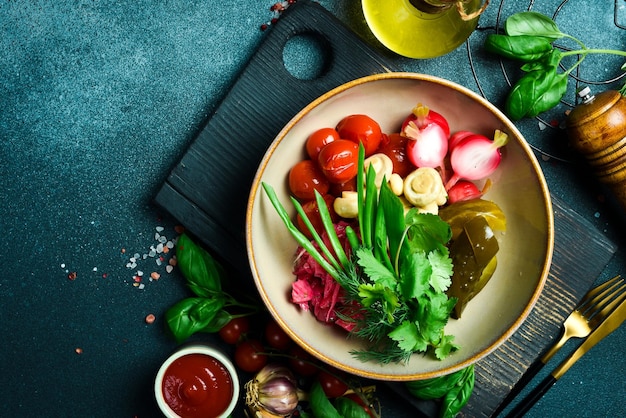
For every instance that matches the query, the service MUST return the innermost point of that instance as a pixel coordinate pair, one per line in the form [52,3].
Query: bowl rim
[196,348]
[549,216]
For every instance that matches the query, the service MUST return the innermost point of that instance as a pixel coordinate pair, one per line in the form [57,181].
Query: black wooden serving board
[207,190]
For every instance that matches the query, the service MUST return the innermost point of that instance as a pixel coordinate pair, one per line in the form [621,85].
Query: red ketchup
[197,385]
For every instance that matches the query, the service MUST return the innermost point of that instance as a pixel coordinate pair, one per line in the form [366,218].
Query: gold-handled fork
[593,308]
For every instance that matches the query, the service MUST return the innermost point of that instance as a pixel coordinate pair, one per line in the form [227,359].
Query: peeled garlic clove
[382,165]
[347,206]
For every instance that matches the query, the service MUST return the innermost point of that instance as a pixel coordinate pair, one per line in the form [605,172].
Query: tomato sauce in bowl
[197,381]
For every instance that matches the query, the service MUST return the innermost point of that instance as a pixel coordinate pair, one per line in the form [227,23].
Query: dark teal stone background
[99,100]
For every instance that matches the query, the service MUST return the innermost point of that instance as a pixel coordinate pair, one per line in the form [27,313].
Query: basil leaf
[192,315]
[545,63]
[527,91]
[520,48]
[434,388]
[460,394]
[320,405]
[532,23]
[203,272]
[550,97]
[347,408]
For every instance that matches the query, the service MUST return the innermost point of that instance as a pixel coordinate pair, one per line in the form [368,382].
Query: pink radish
[476,157]
[457,137]
[466,190]
[428,133]
[463,190]
[422,115]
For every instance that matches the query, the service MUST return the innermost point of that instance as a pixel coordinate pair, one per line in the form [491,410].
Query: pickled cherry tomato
[313,214]
[336,189]
[318,139]
[361,128]
[304,178]
[394,146]
[339,160]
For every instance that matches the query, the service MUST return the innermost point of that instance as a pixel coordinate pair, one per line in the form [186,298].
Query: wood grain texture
[207,192]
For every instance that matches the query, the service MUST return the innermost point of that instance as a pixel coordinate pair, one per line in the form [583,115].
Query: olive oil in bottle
[422,28]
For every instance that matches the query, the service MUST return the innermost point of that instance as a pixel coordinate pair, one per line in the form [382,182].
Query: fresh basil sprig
[454,390]
[528,38]
[208,311]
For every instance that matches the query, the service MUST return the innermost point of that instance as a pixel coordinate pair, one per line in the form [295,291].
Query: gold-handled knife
[610,324]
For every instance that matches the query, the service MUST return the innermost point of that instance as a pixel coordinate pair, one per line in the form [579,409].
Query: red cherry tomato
[394,146]
[249,356]
[276,337]
[337,188]
[305,178]
[312,212]
[301,362]
[318,139]
[339,160]
[333,386]
[235,330]
[361,128]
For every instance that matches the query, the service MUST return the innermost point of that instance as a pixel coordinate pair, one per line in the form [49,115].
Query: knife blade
[610,324]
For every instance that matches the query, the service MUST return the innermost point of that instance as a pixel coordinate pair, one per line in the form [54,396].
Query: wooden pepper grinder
[597,130]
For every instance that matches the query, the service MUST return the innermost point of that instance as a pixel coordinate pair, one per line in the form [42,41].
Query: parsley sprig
[398,271]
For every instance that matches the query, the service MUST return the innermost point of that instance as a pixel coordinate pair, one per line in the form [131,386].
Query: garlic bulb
[272,393]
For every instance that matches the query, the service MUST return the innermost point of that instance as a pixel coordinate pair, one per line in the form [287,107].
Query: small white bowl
[519,188]
[205,350]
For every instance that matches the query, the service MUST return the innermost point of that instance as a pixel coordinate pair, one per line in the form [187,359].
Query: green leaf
[192,315]
[436,387]
[442,270]
[203,272]
[408,337]
[320,404]
[393,210]
[550,97]
[545,63]
[527,91]
[415,273]
[348,408]
[375,270]
[436,308]
[532,23]
[519,48]
[459,395]
[445,346]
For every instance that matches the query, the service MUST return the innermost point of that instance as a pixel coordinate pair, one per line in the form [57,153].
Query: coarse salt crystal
[63,265]
[170,244]
[152,253]
[141,286]
[158,261]
[157,236]
[159,228]
[139,273]
[159,248]
[169,268]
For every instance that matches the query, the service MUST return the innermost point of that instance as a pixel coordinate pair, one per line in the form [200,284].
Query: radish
[428,133]
[465,190]
[457,137]
[475,157]
[422,115]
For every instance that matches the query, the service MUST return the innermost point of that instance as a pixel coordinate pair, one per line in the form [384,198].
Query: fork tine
[615,300]
[597,293]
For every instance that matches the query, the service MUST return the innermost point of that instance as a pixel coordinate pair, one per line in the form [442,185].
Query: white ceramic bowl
[203,350]
[519,188]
